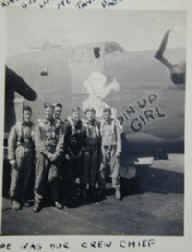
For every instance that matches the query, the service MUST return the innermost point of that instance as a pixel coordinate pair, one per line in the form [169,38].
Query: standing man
[111,149]
[49,143]
[92,152]
[21,154]
[74,146]
[60,127]
[57,115]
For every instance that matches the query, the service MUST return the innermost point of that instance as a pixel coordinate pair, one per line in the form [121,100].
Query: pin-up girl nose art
[98,88]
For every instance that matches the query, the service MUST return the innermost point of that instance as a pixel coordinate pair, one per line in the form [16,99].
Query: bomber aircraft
[149,106]
[150,109]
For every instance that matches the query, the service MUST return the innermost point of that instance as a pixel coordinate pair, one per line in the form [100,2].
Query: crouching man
[21,154]
[49,144]
[111,149]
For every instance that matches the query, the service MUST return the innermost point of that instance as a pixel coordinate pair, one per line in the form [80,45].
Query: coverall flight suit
[111,149]
[49,144]
[92,153]
[74,146]
[21,149]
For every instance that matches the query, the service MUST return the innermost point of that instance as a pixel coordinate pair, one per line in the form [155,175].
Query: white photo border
[74,243]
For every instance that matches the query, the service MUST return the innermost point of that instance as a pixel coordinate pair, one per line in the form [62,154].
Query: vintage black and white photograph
[94,122]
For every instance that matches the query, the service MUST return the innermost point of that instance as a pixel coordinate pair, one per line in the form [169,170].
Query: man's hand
[67,157]
[52,156]
[12,163]
[117,154]
[103,150]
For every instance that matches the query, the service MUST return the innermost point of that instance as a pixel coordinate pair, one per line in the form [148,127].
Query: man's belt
[27,145]
[109,147]
[74,154]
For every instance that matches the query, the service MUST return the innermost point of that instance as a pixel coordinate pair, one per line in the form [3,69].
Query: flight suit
[49,146]
[111,148]
[92,153]
[60,127]
[21,148]
[74,146]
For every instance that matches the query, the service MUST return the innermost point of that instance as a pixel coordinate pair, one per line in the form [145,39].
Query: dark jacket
[74,138]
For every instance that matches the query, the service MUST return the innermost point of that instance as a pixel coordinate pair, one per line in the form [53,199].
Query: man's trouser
[110,166]
[22,174]
[91,167]
[73,170]
[47,179]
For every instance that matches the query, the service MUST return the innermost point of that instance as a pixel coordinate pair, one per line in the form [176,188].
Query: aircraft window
[97,52]
[44,72]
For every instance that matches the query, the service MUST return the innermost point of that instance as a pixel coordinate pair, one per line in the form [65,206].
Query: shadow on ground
[146,180]
[153,180]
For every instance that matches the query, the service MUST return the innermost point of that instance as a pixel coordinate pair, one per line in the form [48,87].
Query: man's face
[90,115]
[27,116]
[106,115]
[58,111]
[76,116]
[49,112]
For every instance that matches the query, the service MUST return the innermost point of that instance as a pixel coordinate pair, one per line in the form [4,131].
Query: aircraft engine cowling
[177,74]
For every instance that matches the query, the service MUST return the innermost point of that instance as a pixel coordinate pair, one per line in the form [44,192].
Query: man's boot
[117,193]
[37,207]
[101,194]
[92,194]
[83,193]
[16,205]
[58,205]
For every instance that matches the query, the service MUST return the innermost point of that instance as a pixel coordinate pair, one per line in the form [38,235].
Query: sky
[30,29]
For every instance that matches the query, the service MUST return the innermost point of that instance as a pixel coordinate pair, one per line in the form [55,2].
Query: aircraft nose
[16,83]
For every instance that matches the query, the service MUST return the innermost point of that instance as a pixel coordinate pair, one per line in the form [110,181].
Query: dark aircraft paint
[15,84]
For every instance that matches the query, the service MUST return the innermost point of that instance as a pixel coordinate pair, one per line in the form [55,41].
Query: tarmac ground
[152,204]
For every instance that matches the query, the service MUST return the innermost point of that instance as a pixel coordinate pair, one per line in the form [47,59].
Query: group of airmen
[58,152]
[78,152]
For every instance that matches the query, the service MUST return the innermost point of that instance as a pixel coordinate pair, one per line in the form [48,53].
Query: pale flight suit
[49,140]
[92,152]
[21,148]
[110,146]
